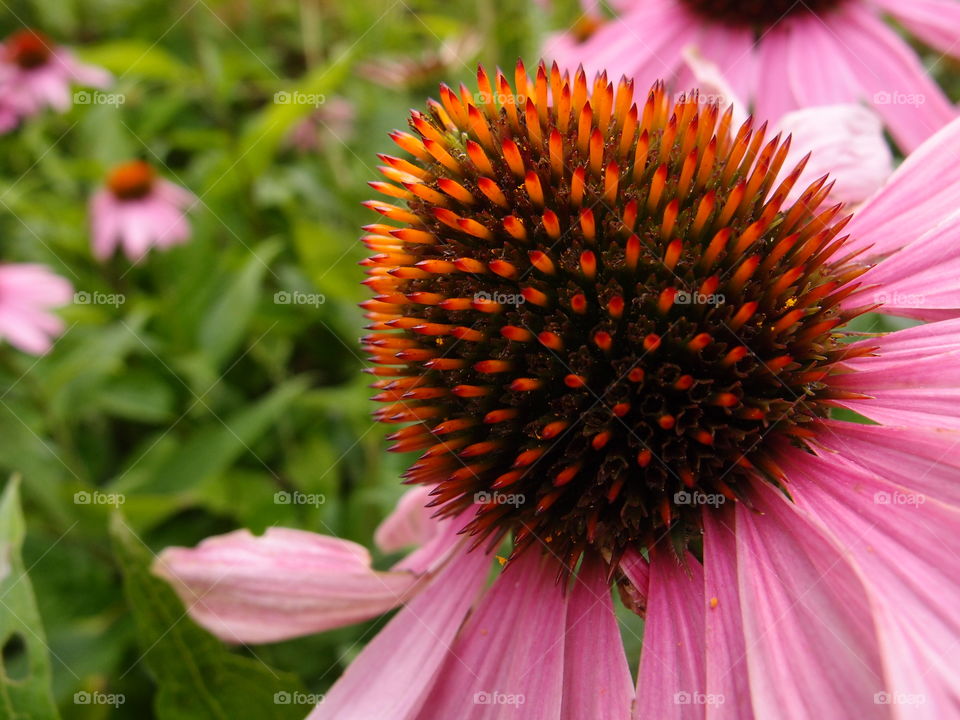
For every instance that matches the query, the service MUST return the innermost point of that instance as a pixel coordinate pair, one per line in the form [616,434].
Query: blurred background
[191,388]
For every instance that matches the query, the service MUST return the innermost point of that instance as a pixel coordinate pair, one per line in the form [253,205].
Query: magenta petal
[392,677]
[816,67]
[936,22]
[927,458]
[908,549]
[774,96]
[284,584]
[914,380]
[891,76]
[596,678]
[508,660]
[409,524]
[811,642]
[919,195]
[672,682]
[726,649]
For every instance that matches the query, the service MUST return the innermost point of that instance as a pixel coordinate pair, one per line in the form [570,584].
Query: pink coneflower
[783,54]
[617,344]
[36,73]
[27,294]
[138,210]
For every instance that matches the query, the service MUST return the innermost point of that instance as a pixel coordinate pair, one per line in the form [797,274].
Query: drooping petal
[496,670]
[409,524]
[283,584]
[817,70]
[846,141]
[392,678]
[908,548]
[774,97]
[596,678]
[726,651]
[672,681]
[812,650]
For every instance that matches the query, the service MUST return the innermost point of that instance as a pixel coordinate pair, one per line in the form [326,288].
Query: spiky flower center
[28,48]
[131,180]
[757,13]
[594,316]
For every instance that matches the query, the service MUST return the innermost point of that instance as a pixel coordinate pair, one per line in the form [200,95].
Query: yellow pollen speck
[791,302]
[501,560]
[714,602]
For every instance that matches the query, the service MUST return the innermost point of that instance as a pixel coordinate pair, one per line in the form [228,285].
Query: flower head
[597,308]
[35,73]
[138,210]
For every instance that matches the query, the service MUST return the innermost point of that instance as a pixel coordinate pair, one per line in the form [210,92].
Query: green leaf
[289,105]
[137,57]
[197,678]
[210,450]
[25,692]
[223,328]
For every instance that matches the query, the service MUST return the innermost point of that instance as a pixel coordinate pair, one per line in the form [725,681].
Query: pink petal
[908,388]
[731,50]
[918,196]
[774,97]
[846,142]
[817,70]
[811,643]
[909,552]
[508,660]
[672,683]
[726,651]
[918,281]
[929,457]
[409,524]
[936,22]
[284,584]
[891,76]
[391,678]
[637,570]
[596,678]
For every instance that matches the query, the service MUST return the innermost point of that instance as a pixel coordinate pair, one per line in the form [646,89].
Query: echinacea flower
[781,55]
[138,210]
[28,293]
[35,73]
[618,344]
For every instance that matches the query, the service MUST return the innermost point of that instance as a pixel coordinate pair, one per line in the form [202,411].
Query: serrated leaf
[197,678]
[28,697]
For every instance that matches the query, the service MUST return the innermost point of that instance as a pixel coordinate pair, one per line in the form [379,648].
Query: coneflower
[617,346]
[596,307]
[780,55]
